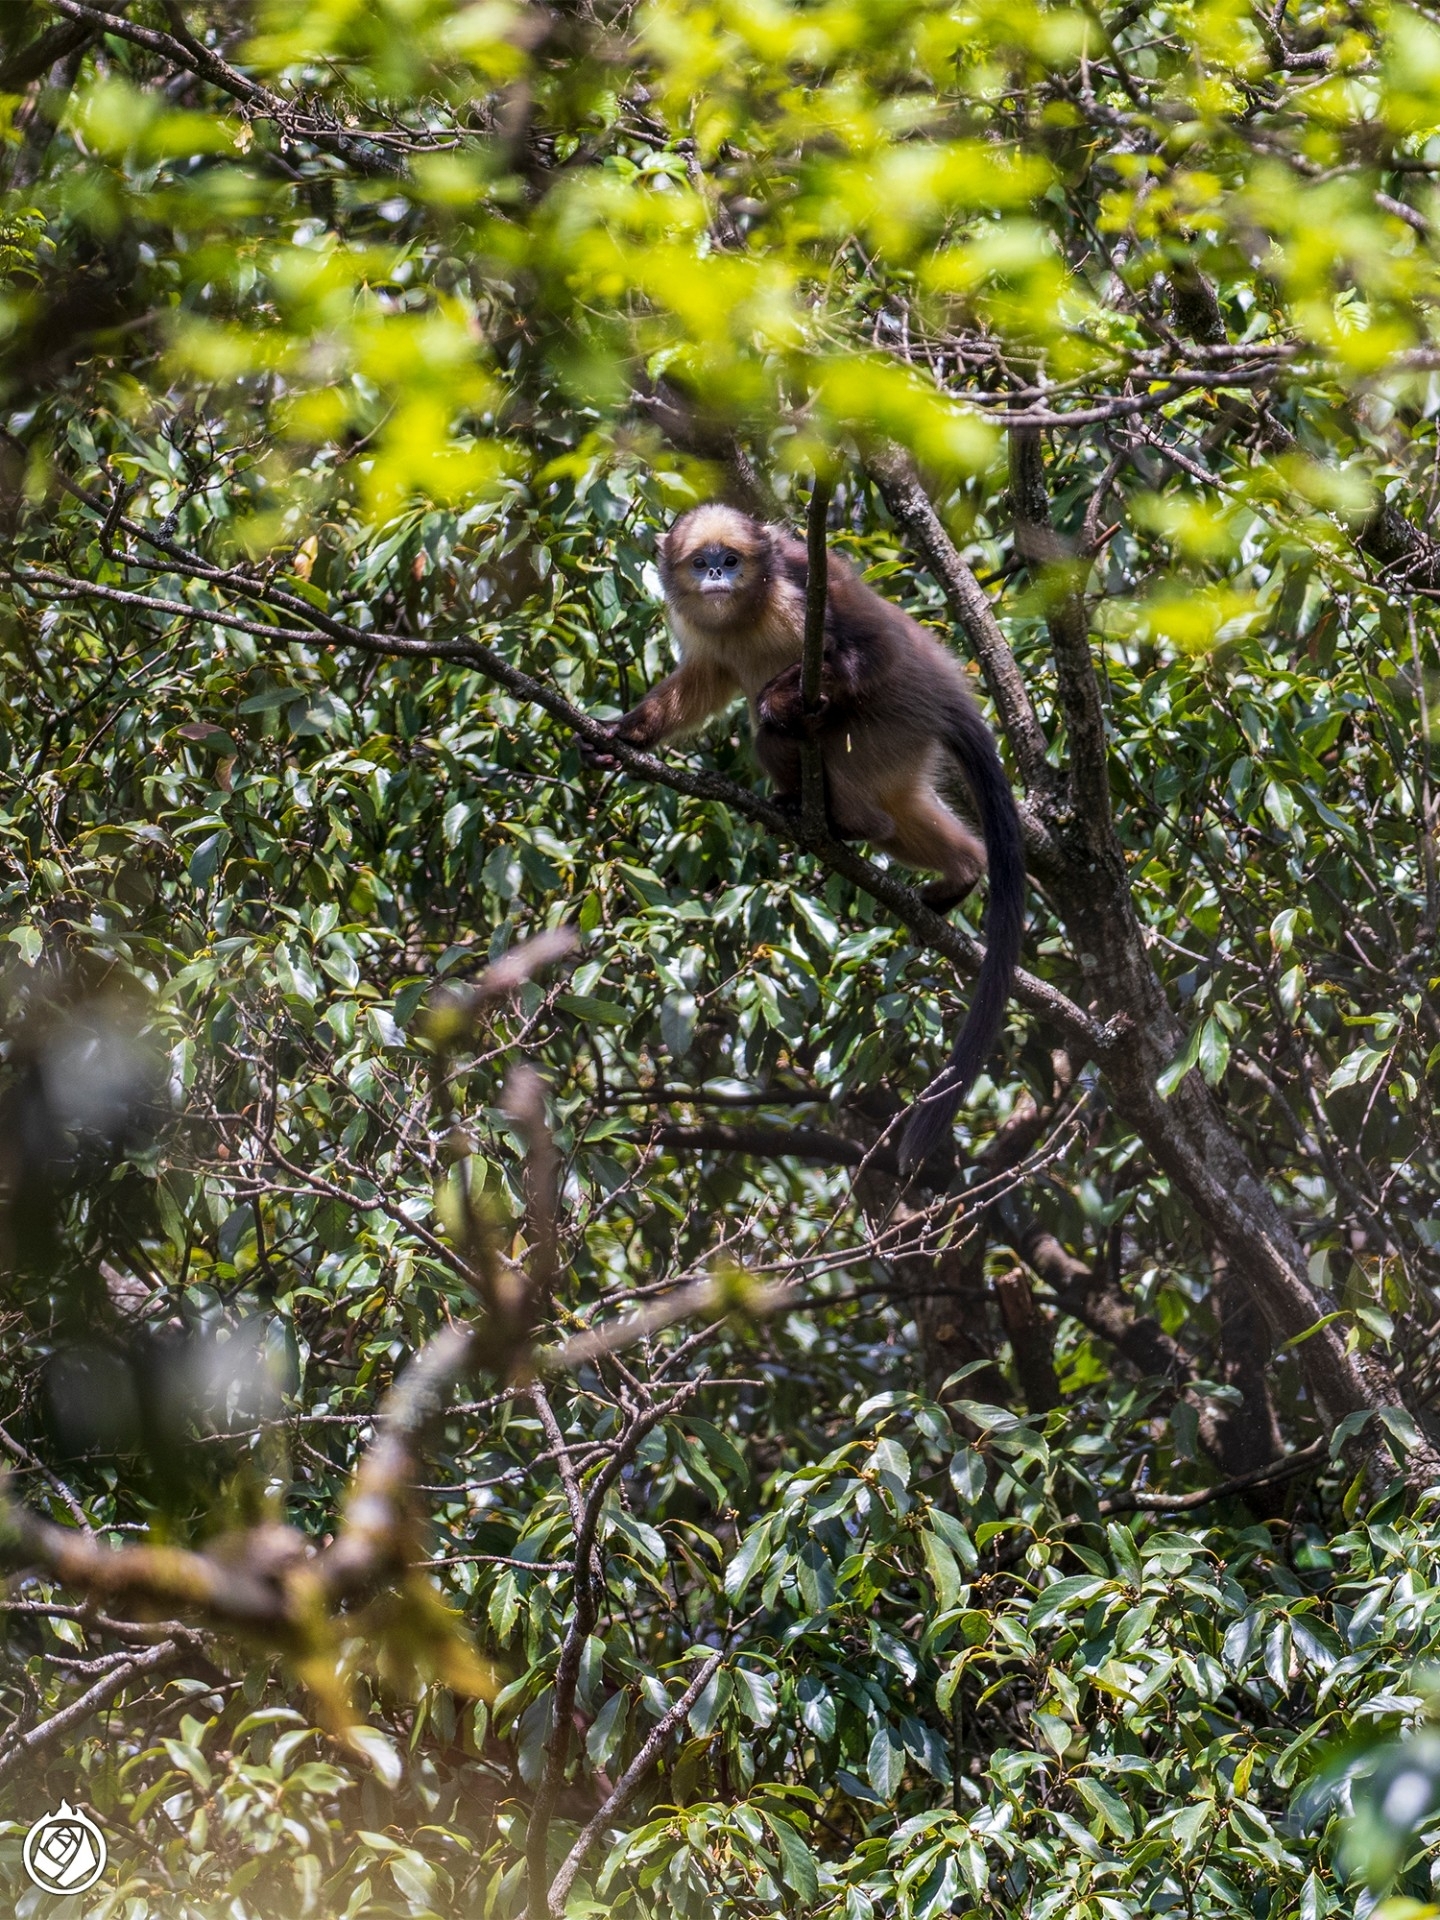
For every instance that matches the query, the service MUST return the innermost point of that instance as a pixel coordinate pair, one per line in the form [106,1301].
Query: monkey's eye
[730,562]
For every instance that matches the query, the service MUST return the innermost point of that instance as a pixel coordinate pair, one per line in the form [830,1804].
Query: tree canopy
[488,1429]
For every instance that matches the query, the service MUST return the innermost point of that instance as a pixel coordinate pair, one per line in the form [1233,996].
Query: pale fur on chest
[753,654]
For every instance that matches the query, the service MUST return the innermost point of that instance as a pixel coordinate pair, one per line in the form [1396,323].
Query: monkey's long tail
[934,1112]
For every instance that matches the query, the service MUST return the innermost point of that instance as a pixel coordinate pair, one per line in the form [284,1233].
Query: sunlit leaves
[417,384]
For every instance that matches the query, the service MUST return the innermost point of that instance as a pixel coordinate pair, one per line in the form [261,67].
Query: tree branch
[638,1424]
[156,1659]
[1058,574]
[367,155]
[812,660]
[1187,1135]
[30,62]
[931,930]
[1267,1475]
[626,1786]
[780,1143]
[1029,1341]
[910,507]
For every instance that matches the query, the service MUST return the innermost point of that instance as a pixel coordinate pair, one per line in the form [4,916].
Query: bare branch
[523,1099]
[503,976]
[627,1786]
[377,1527]
[780,1143]
[155,1660]
[711,1299]
[369,156]
[910,507]
[1285,1469]
[1058,573]
[812,770]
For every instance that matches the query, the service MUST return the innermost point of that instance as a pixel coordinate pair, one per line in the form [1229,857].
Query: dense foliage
[741,1533]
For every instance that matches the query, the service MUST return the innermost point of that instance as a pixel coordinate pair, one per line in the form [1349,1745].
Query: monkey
[894,716]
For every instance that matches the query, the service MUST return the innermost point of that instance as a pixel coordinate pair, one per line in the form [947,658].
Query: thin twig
[1292,1463]
[626,1786]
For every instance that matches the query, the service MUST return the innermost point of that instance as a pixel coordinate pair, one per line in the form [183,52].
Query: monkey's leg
[850,812]
[782,723]
[854,814]
[779,759]
[928,834]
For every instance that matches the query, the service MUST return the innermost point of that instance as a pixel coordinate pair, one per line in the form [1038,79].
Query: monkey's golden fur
[895,717]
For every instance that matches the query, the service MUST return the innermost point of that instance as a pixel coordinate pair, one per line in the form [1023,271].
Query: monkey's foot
[943,896]
[593,756]
[862,823]
[782,709]
[877,826]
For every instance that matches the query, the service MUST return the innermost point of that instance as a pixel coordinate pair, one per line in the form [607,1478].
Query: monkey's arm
[683,701]
[781,703]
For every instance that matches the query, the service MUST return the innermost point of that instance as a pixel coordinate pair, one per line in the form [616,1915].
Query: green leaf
[1108,1808]
[1170,1079]
[739,1572]
[755,1696]
[593,1012]
[1213,1056]
[797,1863]
[1063,1596]
[944,1573]
[885,1763]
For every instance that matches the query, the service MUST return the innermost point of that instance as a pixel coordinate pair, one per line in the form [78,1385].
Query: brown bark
[952,1322]
[1251,1431]
[1098,1303]
[1029,1341]
[46,89]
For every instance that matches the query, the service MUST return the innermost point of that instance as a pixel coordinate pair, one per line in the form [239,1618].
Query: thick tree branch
[1080,1292]
[910,507]
[1058,574]
[265,1581]
[1029,1341]
[1097,1303]
[812,659]
[1187,1135]
[30,62]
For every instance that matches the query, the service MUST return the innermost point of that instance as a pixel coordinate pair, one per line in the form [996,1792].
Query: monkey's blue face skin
[715,569]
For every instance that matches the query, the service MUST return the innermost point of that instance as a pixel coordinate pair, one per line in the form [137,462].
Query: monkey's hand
[781,707]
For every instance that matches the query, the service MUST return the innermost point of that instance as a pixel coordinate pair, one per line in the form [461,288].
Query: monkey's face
[714,565]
